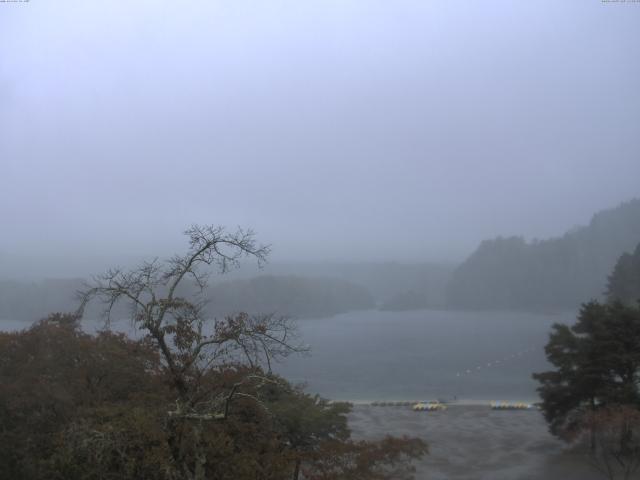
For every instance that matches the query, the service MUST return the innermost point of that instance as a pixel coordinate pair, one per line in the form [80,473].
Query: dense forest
[550,274]
[624,281]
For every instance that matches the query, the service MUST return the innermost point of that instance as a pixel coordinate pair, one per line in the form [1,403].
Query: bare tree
[193,347]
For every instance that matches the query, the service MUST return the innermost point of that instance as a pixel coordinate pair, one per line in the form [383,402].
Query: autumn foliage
[193,398]
[80,406]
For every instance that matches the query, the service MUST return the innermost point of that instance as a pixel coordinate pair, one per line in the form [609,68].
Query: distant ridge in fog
[282,295]
[503,273]
[300,289]
[558,273]
[288,295]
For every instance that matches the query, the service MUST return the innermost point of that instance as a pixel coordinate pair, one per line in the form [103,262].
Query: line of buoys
[392,404]
[494,363]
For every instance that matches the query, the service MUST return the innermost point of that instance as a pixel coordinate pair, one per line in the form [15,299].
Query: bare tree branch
[188,342]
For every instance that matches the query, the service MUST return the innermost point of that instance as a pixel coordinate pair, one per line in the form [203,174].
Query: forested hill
[551,274]
[289,295]
[283,295]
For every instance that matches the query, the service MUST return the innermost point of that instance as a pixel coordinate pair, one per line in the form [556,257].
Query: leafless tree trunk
[191,345]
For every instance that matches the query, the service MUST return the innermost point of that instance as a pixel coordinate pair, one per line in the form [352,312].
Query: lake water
[373,355]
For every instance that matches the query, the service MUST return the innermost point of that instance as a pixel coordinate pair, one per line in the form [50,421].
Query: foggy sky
[337,129]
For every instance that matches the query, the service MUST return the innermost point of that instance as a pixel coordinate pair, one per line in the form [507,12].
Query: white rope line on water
[495,363]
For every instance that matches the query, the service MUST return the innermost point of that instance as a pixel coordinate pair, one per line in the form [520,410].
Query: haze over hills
[558,273]
[281,295]
[289,295]
[386,281]
[503,273]
[296,289]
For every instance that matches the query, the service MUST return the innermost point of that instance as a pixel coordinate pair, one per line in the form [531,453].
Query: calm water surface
[424,354]
[373,355]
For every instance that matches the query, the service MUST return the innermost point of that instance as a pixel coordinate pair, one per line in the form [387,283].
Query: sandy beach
[473,442]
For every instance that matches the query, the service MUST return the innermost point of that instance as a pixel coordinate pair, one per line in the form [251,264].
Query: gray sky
[337,129]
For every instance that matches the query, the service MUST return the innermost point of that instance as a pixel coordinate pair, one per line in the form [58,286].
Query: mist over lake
[320,240]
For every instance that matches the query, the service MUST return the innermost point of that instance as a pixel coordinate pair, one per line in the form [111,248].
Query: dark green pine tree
[597,364]
[624,281]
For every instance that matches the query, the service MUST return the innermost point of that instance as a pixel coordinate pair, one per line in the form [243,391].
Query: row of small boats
[437,405]
[429,406]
